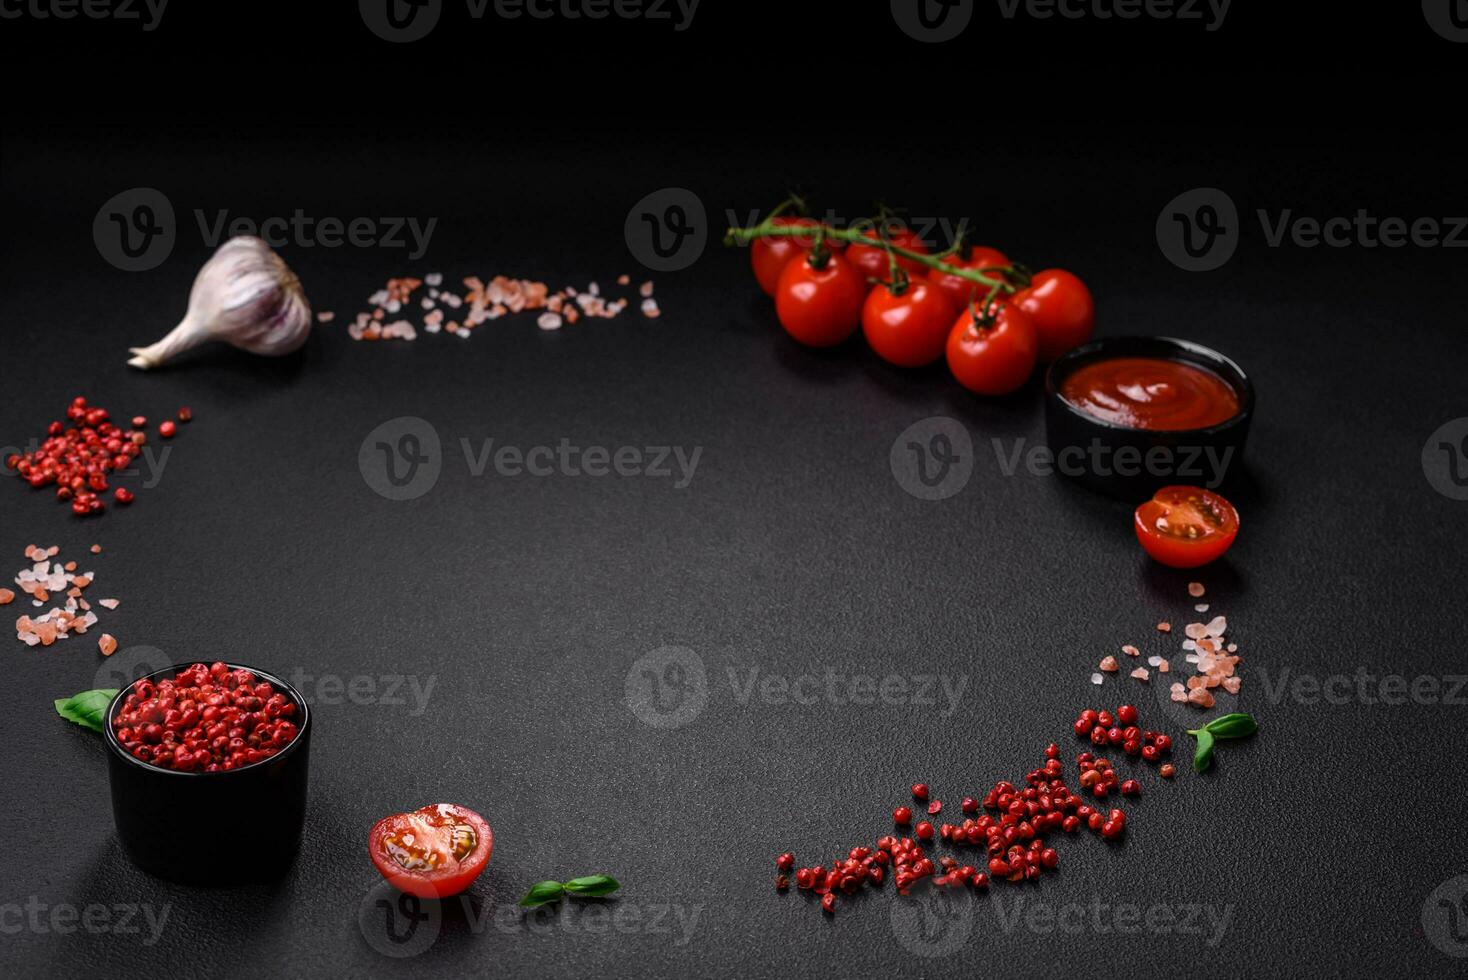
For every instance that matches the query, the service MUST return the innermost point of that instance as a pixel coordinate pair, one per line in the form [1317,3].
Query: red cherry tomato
[1061,308]
[872,260]
[820,307]
[910,329]
[1184,527]
[994,359]
[434,852]
[769,255]
[961,290]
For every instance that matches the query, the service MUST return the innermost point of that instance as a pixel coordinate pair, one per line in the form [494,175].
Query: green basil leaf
[593,886]
[542,892]
[1236,725]
[87,708]
[1203,756]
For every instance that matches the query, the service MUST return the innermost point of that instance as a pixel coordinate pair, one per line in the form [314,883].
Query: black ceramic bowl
[1134,463]
[211,828]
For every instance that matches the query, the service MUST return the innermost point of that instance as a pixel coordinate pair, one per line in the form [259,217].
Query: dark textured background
[527,601]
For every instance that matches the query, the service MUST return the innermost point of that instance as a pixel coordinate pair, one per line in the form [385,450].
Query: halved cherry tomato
[1061,308]
[871,260]
[994,359]
[434,852]
[820,307]
[961,290]
[908,329]
[770,254]
[1184,527]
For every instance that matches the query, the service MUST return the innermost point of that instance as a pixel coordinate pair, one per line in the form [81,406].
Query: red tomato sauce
[1151,393]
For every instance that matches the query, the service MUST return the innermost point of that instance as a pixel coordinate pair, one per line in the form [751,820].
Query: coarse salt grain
[1164,627]
[1096,678]
[1130,650]
[1108,664]
[1195,589]
[1141,673]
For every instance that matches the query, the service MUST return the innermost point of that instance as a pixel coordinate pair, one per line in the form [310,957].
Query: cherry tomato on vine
[820,307]
[962,290]
[769,254]
[434,852]
[1061,308]
[910,328]
[1184,527]
[993,359]
[871,260]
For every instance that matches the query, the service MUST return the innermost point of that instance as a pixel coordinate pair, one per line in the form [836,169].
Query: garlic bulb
[244,295]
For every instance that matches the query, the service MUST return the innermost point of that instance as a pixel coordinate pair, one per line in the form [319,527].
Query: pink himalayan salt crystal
[1201,697]
[1232,684]
[1178,692]
[1108,664]
[1164,627]
[1163,666]
[1141,673]
[1131,651]
[1195,589]
[107,643]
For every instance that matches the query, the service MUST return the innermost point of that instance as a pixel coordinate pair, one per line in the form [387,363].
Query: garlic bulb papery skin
[244,295]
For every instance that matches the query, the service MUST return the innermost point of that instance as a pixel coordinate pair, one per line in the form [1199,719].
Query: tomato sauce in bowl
[1159,394]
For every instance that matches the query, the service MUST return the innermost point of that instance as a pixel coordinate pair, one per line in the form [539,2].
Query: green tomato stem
[768,229]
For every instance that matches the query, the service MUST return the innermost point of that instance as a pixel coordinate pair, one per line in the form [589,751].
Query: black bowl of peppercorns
[208,765]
